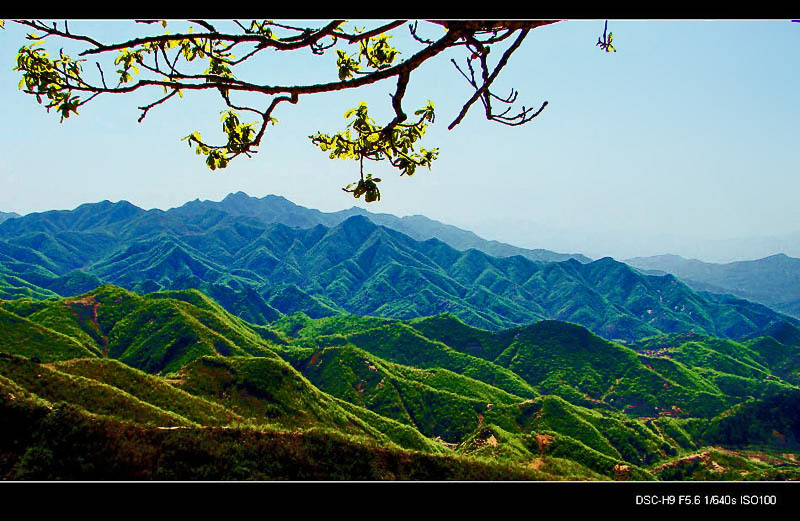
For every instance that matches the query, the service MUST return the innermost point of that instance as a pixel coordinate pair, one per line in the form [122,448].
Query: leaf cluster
[376,52]
[604,42]
[364,139]
[240,138]
[43,76]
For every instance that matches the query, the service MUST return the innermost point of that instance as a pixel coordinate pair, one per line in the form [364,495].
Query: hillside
[550,400]
[156,333]
[35,447]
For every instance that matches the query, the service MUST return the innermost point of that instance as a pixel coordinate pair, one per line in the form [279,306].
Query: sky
[683,141]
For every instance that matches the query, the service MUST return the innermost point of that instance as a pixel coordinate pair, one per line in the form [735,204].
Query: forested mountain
[260,271]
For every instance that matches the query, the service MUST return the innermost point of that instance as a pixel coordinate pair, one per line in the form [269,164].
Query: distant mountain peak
[237,195]
[773,281]
[8,215]
[274,197]
[105,203]
[358,222]
[604,261]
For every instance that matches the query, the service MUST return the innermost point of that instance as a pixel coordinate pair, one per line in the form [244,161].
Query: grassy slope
[27,338]
[270,391]
[89,394]
[151,389]
[159,333]
[45,441]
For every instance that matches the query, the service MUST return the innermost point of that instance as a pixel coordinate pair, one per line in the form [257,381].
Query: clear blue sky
[691,129]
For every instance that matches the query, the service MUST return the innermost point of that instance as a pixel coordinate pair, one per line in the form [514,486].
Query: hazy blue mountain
[774,280]
[276,209]
[7,215]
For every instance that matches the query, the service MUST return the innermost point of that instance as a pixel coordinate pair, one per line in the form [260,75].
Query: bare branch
[397,105]
[267,116]
[496,39]
[488,81]
[294,28]
[471,81]
[146,108]
[102,76]
[520,119]
[413,30]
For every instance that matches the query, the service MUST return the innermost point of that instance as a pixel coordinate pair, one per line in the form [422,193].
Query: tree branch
[59,78]
[102,76]
[146,108]
[488,81]
[355,38]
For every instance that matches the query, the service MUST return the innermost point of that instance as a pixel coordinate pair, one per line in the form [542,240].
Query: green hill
[551,399]
[27,338]
[156,333]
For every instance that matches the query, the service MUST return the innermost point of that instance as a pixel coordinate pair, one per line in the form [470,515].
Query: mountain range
[276,209]
[258,268]
[111,384]
[773,281]
[256,339]
[626,240]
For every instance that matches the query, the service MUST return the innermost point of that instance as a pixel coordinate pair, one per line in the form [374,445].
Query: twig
[488,81]
[146,108]
[102,76]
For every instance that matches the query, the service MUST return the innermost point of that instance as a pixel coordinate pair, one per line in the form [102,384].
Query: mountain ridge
[355,266]
[417,226]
